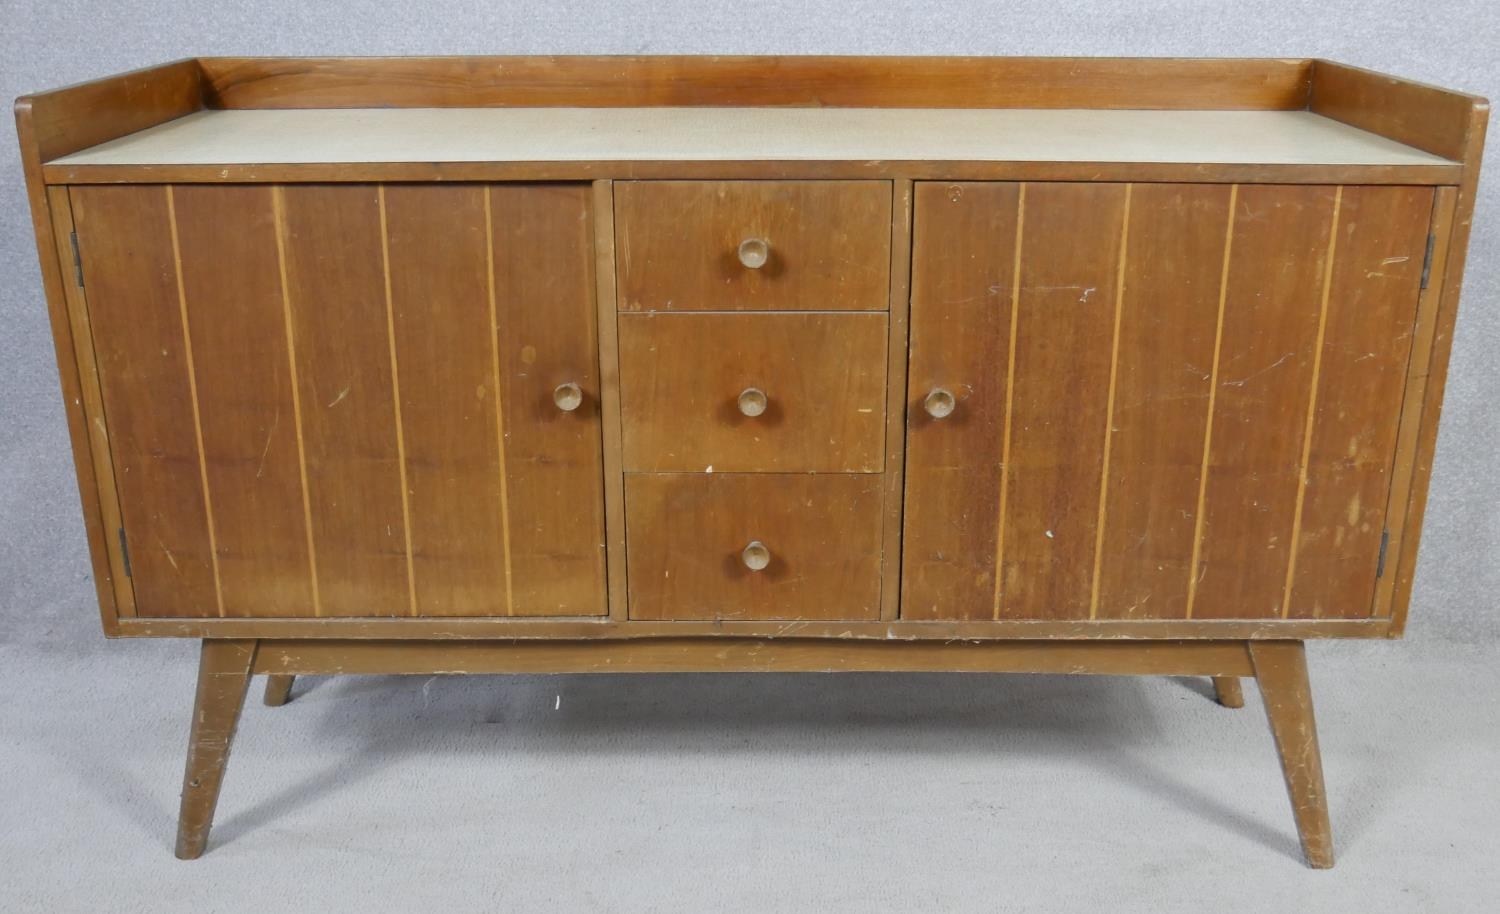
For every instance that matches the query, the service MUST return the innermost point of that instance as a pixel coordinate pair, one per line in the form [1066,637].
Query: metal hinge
[77,259]
[1385,540]
[125,553]
[1427,260]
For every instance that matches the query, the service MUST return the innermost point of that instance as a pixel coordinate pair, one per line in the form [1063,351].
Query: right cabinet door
[1155,401]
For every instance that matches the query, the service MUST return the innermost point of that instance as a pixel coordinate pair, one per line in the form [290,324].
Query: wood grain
[1166,352]
[335,296]
[1367,344]
[687,532]
[962,284]
[438,250]
[677,244]
[602,198]
[124,236]
[1427,117]
[823,375]
[226,240]
[899,82]
[1065,316]
[547,328]
[1271,318]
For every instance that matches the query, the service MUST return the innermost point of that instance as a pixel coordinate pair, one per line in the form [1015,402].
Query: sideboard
[614,364]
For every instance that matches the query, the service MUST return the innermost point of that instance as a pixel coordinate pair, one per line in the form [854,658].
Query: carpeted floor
[746,793]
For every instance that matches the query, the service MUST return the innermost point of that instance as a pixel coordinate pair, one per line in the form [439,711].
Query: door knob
[940,403]
[754,252]
[568,397]
[756,556]
[753,401]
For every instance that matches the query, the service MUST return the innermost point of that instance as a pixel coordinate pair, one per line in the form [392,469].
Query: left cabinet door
[350,400]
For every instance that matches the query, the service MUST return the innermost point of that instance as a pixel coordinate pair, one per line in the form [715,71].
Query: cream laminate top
[361,135]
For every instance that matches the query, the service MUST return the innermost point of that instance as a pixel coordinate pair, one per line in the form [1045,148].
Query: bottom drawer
[754,546]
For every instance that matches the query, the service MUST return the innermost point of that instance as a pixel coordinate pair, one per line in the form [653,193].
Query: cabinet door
[337,400]
[1168,401]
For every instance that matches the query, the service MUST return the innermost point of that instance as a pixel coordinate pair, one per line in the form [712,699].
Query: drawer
[753,245]
[691,384]
[753,546]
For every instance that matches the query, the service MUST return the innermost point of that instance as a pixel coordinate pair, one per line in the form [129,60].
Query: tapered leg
[223,678]
[1281,671]
[1226,689]
[278,689]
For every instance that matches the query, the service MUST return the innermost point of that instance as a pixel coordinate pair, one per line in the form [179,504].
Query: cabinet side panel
[232,299]
[331,242]
[125,240]
[1373,293]
[1169,315]
[548,335]
[438,246]
[1070,249]
[1276,288]
[962,280]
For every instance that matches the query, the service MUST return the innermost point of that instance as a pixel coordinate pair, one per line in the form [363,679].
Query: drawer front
[690,386]
[697,541]
[338,400]
[753,245]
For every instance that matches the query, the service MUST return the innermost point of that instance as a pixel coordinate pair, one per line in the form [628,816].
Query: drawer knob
[754,252]
[756,556]
[940,403]
[753,401]
[568,397]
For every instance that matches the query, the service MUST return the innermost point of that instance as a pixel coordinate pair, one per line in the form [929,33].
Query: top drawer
[753,245]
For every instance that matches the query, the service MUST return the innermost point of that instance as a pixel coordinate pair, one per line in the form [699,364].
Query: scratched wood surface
[828,245]
[1174,401]
[125,241]
[686,533]
[318,397]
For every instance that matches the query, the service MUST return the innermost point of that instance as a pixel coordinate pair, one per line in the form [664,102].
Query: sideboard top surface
[681,134]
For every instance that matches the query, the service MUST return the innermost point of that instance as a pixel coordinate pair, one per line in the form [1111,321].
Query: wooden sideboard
[549,364]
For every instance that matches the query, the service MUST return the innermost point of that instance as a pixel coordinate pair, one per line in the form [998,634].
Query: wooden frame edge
[1138,172]
[679,655]
[43,222]
[1442,347]
[607,334]
[1430,118]
[783,80]
[597,629]
[897,350]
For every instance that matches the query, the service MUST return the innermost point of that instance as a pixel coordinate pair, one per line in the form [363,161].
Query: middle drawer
[746,393]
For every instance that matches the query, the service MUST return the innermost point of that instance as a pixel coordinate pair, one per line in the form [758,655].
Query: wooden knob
[753,401]
[756,556]
[754,252]
[940,403]
[568,397]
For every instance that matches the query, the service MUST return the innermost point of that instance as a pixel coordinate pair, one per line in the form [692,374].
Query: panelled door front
[1155,401]
[349,400]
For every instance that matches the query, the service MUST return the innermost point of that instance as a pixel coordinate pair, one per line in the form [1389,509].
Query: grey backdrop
[46,43]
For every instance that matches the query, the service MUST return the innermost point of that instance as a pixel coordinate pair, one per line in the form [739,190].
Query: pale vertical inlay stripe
[1312,402]
[1109,409]
[390,336]
[489,257]
[187,349]
[1213,390]
[278,215]
[1010,390]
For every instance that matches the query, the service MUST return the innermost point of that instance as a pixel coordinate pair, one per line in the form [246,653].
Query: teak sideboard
[561,364]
